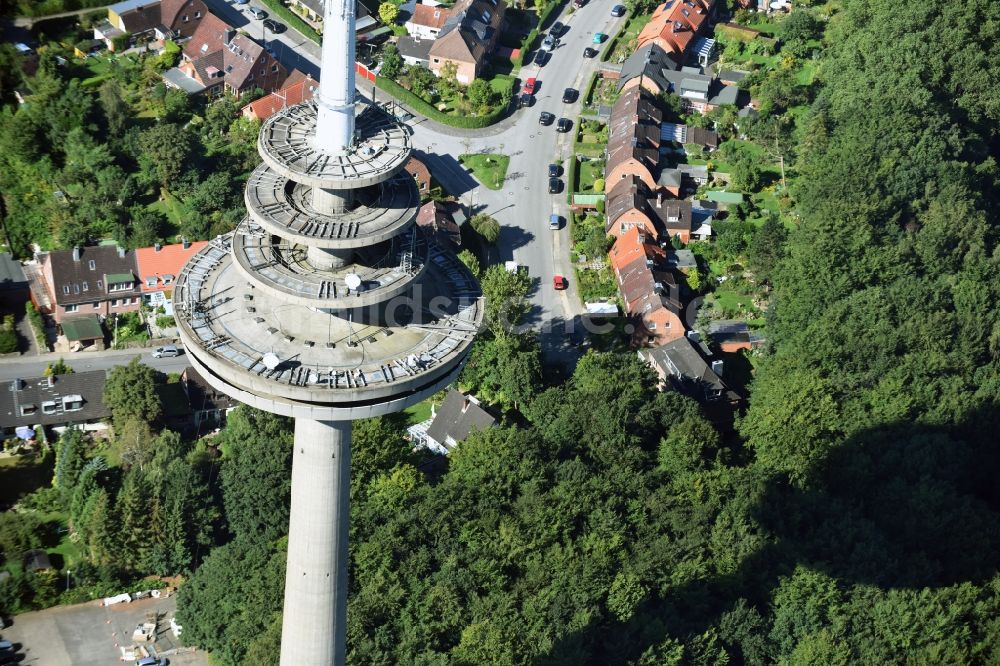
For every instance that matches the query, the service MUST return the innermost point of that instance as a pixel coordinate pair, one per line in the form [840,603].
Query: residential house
[457,417]
[219,60]
[426,21]
[671,180]
[58,402]
[680,367]
[158,267]
[704,138]
[675,25]
[732,335]
[435,218]
[700,92]
[701,222]
[209,406]
[645,67]
[625,209]
[159,19]
[671,215]
[420,173]
[633,139]
[14,289]
[648,290]
[298,88]
[415,52]
[312,12]
[682,260]
[468,37]
[695,173]
[89,281]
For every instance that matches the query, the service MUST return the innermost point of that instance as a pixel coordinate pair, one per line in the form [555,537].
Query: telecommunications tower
[327,304]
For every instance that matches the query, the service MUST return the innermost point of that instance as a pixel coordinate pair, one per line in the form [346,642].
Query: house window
[99,285]
[651,326]
[86,286]
[28,410]
[263,71]
[66,289]
[92,265]
[49,407]
[204,47]
[72,308]
[184,19]
[114,302]
[76,289]
[437,60]
[151,282]
[120,286]
[250,78]
[72,403]
[97,305]
[197,15]
[274,68]
[167,279]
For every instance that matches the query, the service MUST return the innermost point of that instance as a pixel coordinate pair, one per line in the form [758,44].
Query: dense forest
[853,518]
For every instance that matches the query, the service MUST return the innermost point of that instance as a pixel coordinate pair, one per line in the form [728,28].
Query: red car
[559,282]
[530,86]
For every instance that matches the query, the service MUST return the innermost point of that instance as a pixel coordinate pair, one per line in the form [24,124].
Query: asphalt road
[34,366]
[523,205]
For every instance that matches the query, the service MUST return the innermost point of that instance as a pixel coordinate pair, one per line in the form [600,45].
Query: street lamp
[67,579]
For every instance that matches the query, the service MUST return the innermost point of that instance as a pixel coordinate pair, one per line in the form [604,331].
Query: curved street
[523,205]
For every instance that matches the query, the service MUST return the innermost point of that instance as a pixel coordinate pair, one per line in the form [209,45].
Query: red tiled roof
[167,261]
[432,17]
[675,23]
[295,93]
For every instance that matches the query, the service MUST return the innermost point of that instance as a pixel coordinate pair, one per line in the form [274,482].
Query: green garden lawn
[490,169]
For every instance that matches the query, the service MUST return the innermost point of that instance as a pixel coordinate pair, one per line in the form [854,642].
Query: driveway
[91,635]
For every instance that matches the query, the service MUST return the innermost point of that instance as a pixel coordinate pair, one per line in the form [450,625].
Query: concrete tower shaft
[335,102]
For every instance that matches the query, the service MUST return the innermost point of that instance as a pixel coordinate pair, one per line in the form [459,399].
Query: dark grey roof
[417,49]
[11,273]
[81,281]
[681,258]
[687,369]
[201,395]
[732,75]
[17,395]
[650,61]
[457,416]
[726,95]
[669,178]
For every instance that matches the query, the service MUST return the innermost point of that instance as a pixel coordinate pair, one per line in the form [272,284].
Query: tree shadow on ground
[895,507]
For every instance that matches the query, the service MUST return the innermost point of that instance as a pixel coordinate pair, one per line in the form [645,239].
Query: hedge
[292,19]
[422,107]
[571,180]
[532,36]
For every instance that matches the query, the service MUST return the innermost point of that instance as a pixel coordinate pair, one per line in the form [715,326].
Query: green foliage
[487,228]
[130,393]
[412,100]
[506,298]
[59,367]
[256,476]
[392,62]
[471,262]
[8,335]
[387,13]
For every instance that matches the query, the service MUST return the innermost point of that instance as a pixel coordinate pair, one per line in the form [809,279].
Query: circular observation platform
[354,364]
[287,143]
[385,270]
[283,207]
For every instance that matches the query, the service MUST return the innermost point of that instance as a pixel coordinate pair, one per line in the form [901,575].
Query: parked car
[579,3]
[559,282]
[557,29]
[564,125]
[257,13]
[243,2]
[550,42]
[618,10]
[152,661]
[530,86]
[542,57]
[525,100]
[554,222]
[570,95]
[274,26]
[589,52]
[555,186]
[555,170]
[599,37]
[166,352]
[546,118]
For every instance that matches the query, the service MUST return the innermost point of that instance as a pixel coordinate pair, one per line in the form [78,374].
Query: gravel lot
[87,634]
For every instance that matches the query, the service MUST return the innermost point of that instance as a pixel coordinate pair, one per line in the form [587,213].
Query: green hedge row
[292,19]
[420,106]
[571,179]
[532,37]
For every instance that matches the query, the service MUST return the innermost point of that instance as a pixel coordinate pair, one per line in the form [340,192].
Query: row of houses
[76,400]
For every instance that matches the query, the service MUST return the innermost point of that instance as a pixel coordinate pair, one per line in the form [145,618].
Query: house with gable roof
[467,38]
[89,281]
[160,19]
[159,265]
[675,26]
[219,60]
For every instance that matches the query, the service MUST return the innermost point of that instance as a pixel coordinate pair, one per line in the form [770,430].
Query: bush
[37,325]
[417,105]
[8,336]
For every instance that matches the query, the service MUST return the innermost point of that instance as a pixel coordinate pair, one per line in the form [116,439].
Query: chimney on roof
[717,367]
[157,247]
[121,252]
[465,404]
[659,199]
[76,253]
[51,380]
[185,242]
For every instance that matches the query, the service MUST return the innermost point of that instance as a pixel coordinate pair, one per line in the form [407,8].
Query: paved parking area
[89,634]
